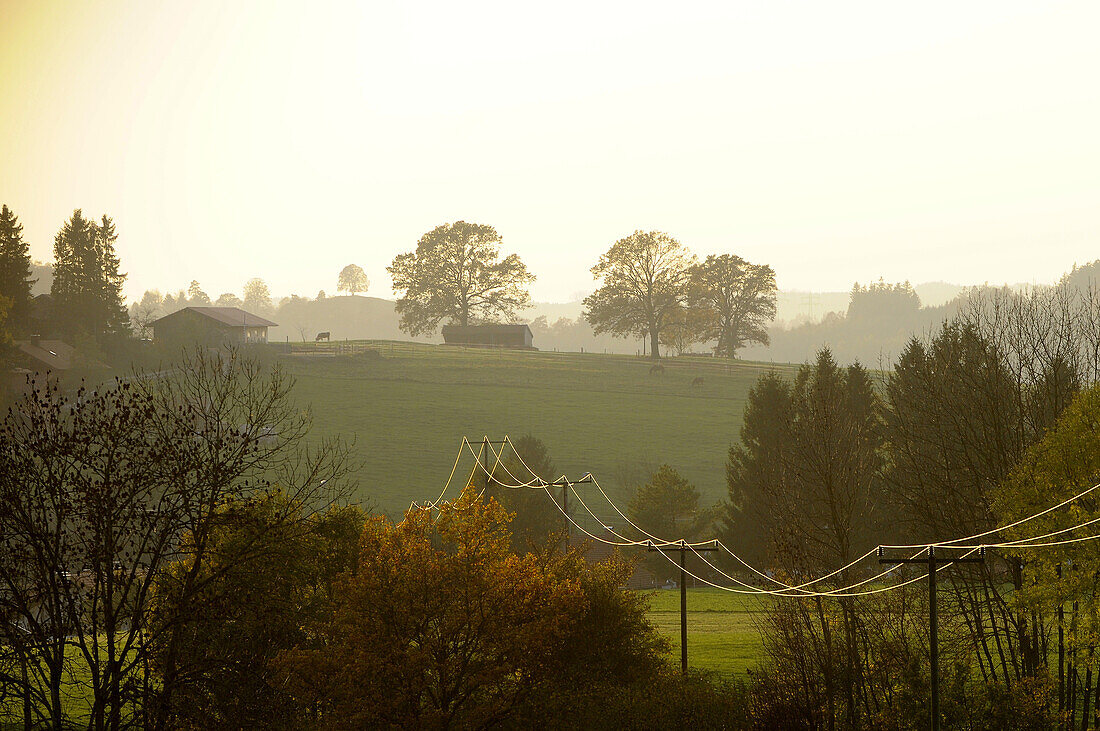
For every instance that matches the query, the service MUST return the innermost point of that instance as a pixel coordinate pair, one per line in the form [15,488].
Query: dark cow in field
[320,337]
[697,381]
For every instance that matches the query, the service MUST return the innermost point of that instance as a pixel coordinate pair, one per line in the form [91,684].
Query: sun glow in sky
[836,141]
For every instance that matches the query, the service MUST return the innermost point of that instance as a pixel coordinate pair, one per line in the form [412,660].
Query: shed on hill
[212,326]
[495,336]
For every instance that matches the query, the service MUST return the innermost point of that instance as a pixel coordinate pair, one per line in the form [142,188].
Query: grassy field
[721,633]
[409,409]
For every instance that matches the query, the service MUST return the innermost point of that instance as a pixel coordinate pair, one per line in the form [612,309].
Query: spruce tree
[87,285]
[71,248]
[15,269]
[114,320]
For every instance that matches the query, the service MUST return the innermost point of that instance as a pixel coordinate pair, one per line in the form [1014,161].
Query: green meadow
[408,406]
[722,634]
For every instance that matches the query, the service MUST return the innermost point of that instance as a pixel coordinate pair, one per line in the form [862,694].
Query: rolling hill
[408,406]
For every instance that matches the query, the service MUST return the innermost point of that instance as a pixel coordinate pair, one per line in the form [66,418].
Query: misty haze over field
[719,364]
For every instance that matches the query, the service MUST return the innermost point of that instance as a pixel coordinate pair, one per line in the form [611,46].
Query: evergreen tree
[87,284]
[15,268]
[70,249]
[114,318]
[197,297]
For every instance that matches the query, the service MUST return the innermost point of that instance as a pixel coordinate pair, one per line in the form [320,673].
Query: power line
[783,590]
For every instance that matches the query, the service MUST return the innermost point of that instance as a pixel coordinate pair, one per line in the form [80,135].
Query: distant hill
[409,407]
[348,317]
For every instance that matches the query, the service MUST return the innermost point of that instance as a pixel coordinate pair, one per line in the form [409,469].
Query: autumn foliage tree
[1062,578]
[456,274]
[644,284]
[417,656]
[442,625]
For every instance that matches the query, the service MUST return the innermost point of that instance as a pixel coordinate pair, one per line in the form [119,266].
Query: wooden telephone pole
[683,547]
[930,559]
[565,484]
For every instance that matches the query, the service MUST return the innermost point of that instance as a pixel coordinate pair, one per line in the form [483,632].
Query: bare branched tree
[101,490]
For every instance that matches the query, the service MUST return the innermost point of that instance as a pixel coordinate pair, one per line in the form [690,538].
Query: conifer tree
[87,285]
[196,295]
[115,319]
[15,268]
[70,249]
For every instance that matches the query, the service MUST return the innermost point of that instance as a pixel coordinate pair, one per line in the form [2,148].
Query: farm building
[212,326]
[44,355]
[494,336]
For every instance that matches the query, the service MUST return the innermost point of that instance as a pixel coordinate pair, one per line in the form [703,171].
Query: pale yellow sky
[836,141]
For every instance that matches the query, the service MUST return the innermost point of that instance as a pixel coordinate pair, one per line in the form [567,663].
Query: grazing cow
[657,369]
[320,337]
[697,381]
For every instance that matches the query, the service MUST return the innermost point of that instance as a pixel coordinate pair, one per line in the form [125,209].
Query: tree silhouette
[196,296]
[15,268]
[257,297]
[735,299]
[645,277]
[456,273]
[87,283]
[352,279]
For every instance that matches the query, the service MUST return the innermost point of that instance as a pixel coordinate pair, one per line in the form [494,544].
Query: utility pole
[565,483]
[683,547]
[930,559]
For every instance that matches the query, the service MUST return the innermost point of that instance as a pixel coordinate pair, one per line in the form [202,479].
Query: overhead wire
[999,529]
[738,558]
[830,595]
[784,590]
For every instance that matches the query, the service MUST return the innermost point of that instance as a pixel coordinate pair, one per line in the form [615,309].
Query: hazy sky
[837,141]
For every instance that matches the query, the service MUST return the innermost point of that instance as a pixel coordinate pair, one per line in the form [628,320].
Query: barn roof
[54,354]
[232,316]
[487,328]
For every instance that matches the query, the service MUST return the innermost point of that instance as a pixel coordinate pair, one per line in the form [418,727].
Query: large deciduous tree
[352,279]
[456,274]
[269,576]
[257,296]
[645,278]
[15,267]
[736,300]
[228,299]
[667,507]
[1061,577]
[444,625]
[101,491]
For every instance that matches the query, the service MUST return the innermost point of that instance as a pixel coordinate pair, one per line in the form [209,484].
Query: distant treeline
[878,321]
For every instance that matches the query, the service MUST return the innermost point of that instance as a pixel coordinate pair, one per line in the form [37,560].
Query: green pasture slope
[722,636]
[409,409]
